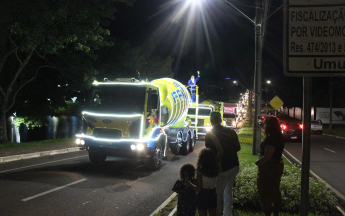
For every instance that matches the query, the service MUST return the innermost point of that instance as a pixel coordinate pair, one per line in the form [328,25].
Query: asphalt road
[326,159]
[69,184]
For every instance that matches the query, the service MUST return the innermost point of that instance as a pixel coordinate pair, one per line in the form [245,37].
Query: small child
[207,172]
[186,203]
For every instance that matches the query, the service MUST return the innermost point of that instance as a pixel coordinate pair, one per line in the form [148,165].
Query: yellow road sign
[276,103]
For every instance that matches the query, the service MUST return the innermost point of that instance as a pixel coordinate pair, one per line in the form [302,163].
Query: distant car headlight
[80,141]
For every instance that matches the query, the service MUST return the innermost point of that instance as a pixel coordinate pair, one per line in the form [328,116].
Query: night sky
[218,41]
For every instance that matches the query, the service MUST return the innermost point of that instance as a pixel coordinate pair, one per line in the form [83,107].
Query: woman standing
[270,167]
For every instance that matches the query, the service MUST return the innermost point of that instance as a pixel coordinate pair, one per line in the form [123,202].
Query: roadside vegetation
[246,201]
[34,143]
[337,130]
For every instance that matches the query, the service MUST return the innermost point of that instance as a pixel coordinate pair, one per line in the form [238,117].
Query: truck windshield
[229,116]
[123,99]
[201,112]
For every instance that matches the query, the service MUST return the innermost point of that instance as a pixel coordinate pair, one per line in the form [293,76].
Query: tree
[34,32]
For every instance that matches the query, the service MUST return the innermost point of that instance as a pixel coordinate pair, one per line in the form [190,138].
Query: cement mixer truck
[136,119]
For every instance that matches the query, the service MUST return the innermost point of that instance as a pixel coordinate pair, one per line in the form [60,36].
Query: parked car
[316,126]
[291,130]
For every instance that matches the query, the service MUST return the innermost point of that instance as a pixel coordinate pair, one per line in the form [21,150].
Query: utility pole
[250,99]
[257,78]
[330,105]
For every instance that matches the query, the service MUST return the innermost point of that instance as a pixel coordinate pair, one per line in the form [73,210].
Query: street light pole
[257,78]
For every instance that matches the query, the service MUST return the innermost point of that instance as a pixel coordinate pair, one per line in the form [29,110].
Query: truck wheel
[192,144]
[155,157]
[97,155]
[186,145]
[176,149]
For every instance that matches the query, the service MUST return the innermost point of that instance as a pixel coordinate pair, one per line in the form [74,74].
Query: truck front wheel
[97,155]
[154,158]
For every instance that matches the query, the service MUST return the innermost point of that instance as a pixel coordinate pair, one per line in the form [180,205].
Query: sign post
[314,46]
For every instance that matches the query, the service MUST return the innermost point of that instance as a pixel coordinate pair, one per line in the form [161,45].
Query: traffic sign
[314,38]
[276,103]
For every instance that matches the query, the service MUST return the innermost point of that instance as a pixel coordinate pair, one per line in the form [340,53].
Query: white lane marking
[41,164]
[329,150]
[50,191]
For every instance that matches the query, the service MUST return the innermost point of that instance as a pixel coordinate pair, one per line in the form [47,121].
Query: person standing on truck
[228,139]
[192,83]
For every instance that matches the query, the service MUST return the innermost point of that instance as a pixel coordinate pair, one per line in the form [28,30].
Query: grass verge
[34,143]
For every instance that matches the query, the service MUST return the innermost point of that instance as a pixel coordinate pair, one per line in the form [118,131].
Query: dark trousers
[268,183]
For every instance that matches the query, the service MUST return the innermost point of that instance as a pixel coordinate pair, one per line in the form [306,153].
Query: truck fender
[185,132]
[174,139]
[193,133]
[157,135]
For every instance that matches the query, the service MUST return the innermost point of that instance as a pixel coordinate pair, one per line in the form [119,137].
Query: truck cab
[140,120]
[200,117]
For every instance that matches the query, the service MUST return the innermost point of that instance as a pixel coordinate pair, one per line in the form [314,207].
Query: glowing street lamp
[259,24]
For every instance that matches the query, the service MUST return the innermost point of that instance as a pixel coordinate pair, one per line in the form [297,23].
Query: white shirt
[208,183]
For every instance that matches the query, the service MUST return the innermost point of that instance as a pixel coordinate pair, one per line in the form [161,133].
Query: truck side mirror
[164,114]
[163,93]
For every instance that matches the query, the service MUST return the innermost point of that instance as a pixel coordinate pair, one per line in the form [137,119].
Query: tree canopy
[68,37]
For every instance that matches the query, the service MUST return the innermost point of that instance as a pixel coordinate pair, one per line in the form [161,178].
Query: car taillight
[301,126]
[284,127]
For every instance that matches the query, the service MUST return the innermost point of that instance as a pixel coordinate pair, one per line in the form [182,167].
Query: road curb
[164,204]
[37,154]
[330,135]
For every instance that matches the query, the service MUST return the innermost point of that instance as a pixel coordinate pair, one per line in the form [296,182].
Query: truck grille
[107,133]
[200,121]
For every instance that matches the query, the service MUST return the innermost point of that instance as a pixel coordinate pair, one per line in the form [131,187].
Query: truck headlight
[140,146]
[137,146]
[79,141]
[208,129]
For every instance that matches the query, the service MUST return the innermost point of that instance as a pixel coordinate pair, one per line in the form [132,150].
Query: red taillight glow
[283,127]
[301,126]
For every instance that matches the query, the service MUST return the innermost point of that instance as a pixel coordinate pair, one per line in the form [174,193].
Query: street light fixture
[260,25]
[236,83]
